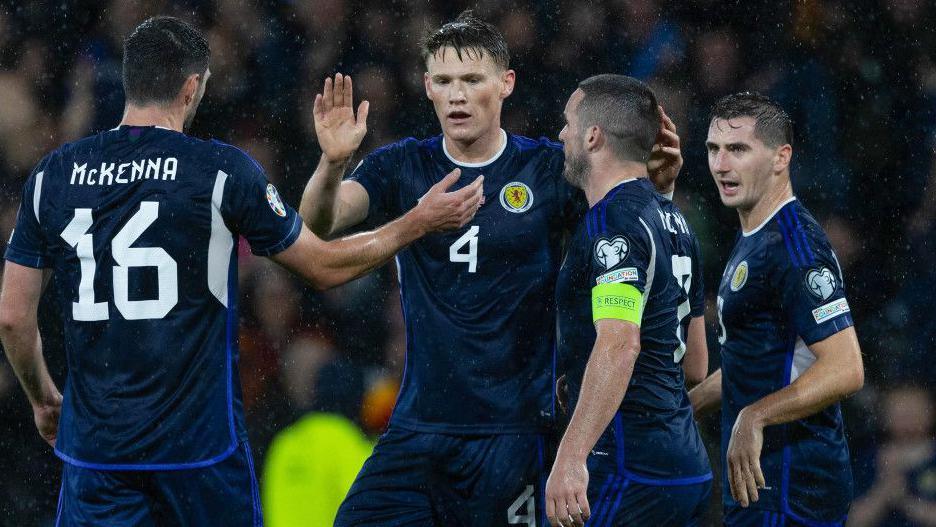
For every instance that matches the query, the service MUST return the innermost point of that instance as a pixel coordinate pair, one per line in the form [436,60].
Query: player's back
[635,236]
[137,224]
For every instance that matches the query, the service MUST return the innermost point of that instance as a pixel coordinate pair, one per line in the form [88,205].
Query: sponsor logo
[611,252]
[830,310]
[273,198]
[740,276]
[516,197]
[821,283]
[628,274]
[615,301]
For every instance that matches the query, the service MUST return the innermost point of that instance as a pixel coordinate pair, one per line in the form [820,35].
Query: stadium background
[858,78]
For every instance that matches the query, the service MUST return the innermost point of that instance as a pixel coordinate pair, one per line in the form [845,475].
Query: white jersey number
[722,332]
[525,500]
[682,270]
[86,309]
[470,239]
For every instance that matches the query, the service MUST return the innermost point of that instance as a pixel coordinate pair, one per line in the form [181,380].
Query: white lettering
[120,171]
[152,167]
[137,170]
[111,173]
[80,172]
[170,173]
[107,170]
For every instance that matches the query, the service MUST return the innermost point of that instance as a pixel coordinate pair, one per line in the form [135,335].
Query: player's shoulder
[543,146]
[633,199]
[624,209]
[226,155]
[794,237]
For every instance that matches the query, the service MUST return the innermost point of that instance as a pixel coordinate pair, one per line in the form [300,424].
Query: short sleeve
[810,282]
[252,207]
[28,245]
[697,288]
[379,174]
[622,262]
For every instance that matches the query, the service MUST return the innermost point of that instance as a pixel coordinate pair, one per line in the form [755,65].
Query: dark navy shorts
[223,494]
[427,479]
[617,500]
[618,497]
[741,517]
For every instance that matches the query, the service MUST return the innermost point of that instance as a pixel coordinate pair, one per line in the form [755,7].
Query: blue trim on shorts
[58,508]
[169,466]
[254,488]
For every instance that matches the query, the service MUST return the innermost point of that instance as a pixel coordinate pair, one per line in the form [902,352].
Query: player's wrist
[337,159]
[752,417]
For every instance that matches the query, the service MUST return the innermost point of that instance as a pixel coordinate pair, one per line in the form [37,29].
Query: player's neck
[767,205]
[600,181]
[481,150]
[151,116]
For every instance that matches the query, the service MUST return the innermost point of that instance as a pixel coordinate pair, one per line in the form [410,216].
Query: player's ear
[782,158]
[508,80]
[426,83]
[190,88]
[594,138]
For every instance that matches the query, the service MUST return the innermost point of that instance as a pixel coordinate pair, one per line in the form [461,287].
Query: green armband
[618,301]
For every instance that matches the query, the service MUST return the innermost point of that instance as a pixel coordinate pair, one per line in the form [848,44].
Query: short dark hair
[468,34]
[772,124]
[158,56]
[626,111]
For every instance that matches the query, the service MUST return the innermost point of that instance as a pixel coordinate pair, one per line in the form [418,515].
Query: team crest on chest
[739,278]
[276,203]
[821,283]
[610,253]
[516,197]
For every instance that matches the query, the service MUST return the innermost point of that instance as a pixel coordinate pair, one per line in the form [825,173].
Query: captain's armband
[618,301]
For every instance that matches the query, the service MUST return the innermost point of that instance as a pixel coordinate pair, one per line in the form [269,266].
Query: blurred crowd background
[320,370]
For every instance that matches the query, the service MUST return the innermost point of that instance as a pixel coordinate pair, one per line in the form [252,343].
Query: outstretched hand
[444,211]
[339,132]
[666,156]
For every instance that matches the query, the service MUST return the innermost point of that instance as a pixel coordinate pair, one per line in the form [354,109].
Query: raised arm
[666,157]
[19,330]
[328,204]
[328,264]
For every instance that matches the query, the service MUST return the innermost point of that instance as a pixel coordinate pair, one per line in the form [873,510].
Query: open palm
[339,132]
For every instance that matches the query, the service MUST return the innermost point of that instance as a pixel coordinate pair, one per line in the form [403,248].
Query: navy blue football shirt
[139,225]
[782,291]
[477,302]
[636,237]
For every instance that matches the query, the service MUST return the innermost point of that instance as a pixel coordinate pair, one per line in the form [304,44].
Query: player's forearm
[707,395]
[353,256]
[829,380]
[320,206]
[23,347]
[604,384]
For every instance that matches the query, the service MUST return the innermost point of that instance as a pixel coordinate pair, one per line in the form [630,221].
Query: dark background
[858,78]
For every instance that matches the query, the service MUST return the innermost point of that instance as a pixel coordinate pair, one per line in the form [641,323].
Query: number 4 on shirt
[470,239]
